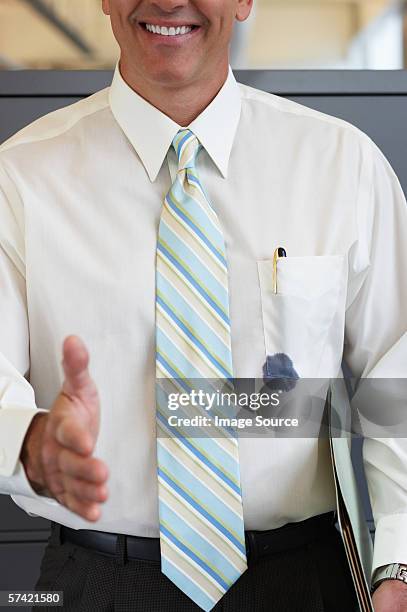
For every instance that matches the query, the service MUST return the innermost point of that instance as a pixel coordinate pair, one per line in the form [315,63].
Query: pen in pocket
[279,252]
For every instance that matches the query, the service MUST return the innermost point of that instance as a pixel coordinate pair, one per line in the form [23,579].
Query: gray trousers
[312,578]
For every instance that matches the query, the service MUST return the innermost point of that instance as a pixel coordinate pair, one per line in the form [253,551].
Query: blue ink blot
[279,372]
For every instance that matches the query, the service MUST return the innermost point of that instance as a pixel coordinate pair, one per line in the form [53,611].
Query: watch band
[393,571]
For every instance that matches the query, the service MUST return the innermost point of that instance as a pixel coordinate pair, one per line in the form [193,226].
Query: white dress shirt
[81,193]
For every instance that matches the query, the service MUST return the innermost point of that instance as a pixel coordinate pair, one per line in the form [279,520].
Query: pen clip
[278,253]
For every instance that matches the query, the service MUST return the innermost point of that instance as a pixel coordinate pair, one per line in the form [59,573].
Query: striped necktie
[200,503]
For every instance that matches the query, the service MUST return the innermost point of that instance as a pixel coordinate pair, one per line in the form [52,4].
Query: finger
[54,482]
[75,363]
[90,512]
[84,468]
[73,436]
[84,491]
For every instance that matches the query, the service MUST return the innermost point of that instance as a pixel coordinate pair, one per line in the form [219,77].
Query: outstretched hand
[58,448]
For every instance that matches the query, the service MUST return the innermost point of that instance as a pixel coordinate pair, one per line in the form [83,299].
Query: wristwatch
[393,571]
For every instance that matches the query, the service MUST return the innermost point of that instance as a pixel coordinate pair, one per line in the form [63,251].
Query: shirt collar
[151,132]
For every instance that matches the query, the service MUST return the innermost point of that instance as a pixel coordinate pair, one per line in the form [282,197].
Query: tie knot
[187,147]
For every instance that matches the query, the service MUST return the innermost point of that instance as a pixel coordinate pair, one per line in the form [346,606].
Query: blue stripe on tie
[194,339]
[211,448]
[186,253]
[201,457]
[199,384]
[164,412]
[190,387]
[180,305]
[198,214]
[192,179]
[195,450]
[201,510]
[188,136]
[217,453]
[186,585]
[199,490]
[229,431]
[173,373]
[193,282]
[199,209]
[194,557]
[210,553]
[202,386]
[218,251]
[181,362]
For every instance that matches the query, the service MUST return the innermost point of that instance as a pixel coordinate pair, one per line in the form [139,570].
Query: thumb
[75,363]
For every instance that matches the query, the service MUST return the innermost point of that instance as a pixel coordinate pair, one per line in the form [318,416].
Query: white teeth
[171,31]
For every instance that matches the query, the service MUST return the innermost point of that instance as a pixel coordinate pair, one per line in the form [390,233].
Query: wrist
[30,454]
[392,571]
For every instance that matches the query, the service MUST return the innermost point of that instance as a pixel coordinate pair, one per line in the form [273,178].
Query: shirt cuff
[18,484]
[390,544]
[14,424]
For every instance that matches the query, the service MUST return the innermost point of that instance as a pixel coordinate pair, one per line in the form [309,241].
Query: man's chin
[173,76]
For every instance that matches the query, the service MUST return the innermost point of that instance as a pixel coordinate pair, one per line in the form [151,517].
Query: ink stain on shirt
[279,372]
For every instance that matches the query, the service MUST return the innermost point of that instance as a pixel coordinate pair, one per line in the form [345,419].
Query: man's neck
[181,103]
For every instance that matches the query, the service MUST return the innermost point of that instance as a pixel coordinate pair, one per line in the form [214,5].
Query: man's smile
[169,30]
[180,47]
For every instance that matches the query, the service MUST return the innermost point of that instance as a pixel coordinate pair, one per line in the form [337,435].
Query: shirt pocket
[301,319]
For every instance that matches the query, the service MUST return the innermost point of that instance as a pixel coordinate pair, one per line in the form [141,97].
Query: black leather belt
[259,544]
